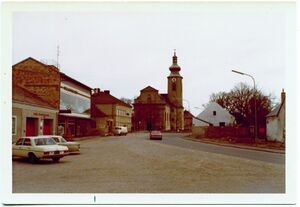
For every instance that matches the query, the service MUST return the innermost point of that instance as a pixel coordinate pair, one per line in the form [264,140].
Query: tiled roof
[276,110]
[106,98]
[23,95]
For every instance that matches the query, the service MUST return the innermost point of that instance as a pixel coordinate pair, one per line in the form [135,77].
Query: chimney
[95,91]
[282,96]
[106,91]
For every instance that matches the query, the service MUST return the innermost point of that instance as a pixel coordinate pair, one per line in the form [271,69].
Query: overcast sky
[125,51]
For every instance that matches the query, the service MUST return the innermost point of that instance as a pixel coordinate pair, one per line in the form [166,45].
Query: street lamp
[255,112]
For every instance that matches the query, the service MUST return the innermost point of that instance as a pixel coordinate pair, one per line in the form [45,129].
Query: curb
[237,146]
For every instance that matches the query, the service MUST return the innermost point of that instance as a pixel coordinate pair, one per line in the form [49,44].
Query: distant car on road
[38,147]
[74,147]
[156,135]
[120,130]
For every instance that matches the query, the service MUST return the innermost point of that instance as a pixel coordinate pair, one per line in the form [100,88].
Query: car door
[17,147]
[25,147]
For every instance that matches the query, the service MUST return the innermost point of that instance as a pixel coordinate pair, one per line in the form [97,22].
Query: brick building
[44,98]
[153,110]
[35,98]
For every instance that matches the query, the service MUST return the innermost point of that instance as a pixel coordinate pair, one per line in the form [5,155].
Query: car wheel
[55,159]
[32,158]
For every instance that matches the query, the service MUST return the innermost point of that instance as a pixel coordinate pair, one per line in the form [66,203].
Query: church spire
[174,67]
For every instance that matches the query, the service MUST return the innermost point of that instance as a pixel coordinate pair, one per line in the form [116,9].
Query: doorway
[47,126]
[31,126]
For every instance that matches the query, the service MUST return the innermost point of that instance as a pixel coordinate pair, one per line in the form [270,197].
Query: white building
[276,122]
[215,115]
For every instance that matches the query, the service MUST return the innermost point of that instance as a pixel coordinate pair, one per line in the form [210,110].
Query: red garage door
[47,126]
[31,126]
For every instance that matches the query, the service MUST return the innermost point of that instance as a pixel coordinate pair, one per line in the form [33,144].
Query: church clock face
[173,80]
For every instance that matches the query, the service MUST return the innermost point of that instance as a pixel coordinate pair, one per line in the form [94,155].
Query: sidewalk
[85,138]
[258,146]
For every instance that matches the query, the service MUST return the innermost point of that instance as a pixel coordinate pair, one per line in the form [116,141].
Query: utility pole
[255,107]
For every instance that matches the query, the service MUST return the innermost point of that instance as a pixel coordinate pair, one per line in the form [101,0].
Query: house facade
[35,98]
[214,115]
[46,101]
[276,122]
[153,110]
[74,118]
[109,111]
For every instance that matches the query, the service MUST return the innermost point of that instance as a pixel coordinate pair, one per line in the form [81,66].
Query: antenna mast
[57,55]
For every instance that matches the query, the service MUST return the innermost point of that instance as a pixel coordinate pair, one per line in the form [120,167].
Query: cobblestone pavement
[135,164]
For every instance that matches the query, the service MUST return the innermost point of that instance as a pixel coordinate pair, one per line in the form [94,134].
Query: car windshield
[44,141]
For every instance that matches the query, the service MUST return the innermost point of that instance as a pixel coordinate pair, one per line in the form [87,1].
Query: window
[214,113]
[44,141]
[14,125]
[75,102]
[56,139]
[20,141]
[27,142]
[222,124]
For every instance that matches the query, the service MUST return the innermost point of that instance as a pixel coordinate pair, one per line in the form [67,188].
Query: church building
[159,111]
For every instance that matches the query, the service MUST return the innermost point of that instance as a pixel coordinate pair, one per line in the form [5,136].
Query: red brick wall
[39,79]
[218,132]
[188,121]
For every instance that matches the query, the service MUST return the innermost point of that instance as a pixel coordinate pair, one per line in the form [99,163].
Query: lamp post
[255,112]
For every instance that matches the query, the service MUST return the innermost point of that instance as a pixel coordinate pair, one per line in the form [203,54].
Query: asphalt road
[135,164]
[173,139]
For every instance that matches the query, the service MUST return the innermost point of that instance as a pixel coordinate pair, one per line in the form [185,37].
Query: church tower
[175,95]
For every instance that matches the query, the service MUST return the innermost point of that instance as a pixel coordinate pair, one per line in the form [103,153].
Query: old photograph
[156,98]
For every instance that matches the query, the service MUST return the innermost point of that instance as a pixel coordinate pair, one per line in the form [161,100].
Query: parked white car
[39,147]
[73,147]
[120,130]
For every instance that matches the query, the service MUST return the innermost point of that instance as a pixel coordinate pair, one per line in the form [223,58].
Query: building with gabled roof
[36,84]
[214,115]
[161,111]
[151,110]
[35,98]
[109,111]
[276,122]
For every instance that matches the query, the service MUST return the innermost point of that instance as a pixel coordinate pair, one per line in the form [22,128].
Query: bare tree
[127,100]
[240,103]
